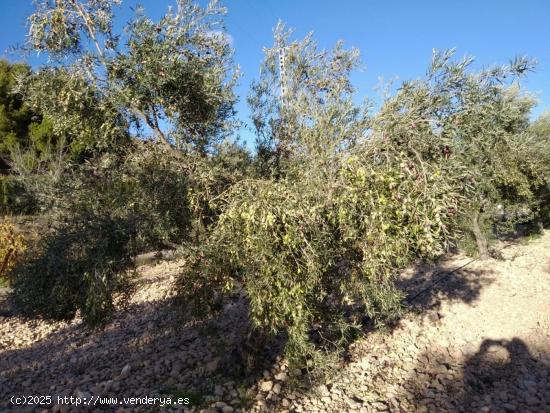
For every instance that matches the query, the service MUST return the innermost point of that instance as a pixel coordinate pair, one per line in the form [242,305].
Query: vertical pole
[281,145]
[282,74]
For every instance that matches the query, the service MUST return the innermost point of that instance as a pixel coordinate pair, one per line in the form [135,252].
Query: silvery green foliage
[79,114]
[536,156]
[173,78]
[474,123]
[82,123]
[306,110]
[347,200]
[60,27]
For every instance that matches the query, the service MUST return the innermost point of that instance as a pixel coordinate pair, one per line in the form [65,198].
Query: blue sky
[396,38]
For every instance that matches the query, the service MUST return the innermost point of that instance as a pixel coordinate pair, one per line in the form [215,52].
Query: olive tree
[317,240]
[469,126]
[536,154]
[168,81]
[172,78]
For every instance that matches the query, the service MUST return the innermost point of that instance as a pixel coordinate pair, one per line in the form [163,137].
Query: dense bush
[536,156]
[79,267]
[315,256]
[347,200]
[110,209]
[107,211]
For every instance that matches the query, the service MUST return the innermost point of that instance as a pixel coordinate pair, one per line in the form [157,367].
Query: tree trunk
[481,241]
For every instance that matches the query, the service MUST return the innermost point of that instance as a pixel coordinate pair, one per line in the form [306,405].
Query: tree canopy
[173,78]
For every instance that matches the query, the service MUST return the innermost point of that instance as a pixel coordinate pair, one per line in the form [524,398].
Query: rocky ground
[476,340]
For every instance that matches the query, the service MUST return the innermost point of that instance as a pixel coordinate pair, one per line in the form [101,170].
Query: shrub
[475,125]
[536,156]
[81,266]
[14,198]
[316,243]
[111,209]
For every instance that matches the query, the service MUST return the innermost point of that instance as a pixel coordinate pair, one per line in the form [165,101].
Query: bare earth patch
[476,340]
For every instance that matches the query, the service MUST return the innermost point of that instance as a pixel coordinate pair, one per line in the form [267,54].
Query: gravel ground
[477,340]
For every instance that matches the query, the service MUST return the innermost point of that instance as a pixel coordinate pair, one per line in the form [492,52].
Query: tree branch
[160,134]
[91,30]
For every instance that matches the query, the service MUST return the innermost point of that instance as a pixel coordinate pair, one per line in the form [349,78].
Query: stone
[423,359]
[125,371]
[282,376]
[532,400]
[97,390]
[170,381]
[380,406]
[509,407]
[266,386]
[296,372]
[212,365]
[218,390]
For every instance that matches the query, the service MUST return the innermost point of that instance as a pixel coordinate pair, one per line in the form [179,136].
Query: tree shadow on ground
[169,354]
[502,376]
[427,286]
